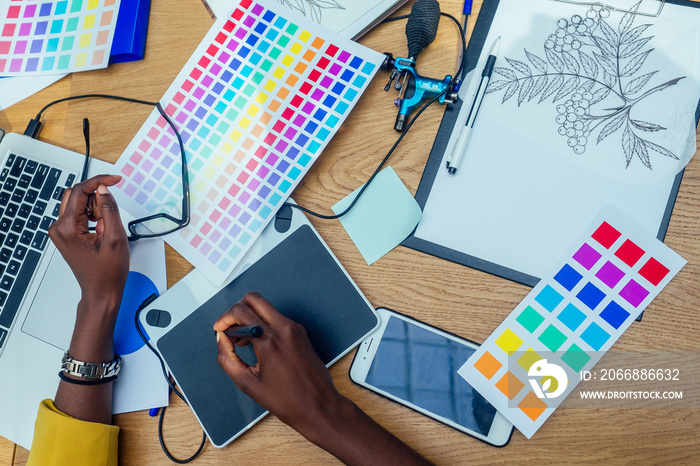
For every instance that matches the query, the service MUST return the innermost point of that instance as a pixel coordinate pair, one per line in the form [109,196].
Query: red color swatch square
[654,271]
[629,253]
[314,75]
[13,12]
[606,235]
[296,101]
[288,114]
[279,126]
[271,138]
[305,88]
[204,62]
[221,38]
[331,50]
[238,14]
[196,74]
[323,63]
[212,49]
[246,3]
[5,47]
[229,26]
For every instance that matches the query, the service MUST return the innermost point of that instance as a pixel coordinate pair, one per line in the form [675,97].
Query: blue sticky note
[385,215]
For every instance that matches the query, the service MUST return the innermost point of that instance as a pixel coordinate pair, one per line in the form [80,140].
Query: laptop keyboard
[30,198]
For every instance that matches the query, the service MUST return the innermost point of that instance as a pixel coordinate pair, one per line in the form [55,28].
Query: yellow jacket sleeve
[60,439]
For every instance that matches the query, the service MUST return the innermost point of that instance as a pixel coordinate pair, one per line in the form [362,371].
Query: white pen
[455,157]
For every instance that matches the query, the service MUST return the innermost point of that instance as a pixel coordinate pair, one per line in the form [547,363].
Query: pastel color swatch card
[533,360]
[255,105]
[55,36]
[385,215]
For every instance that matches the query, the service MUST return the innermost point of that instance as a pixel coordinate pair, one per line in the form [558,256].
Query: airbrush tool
[413,88]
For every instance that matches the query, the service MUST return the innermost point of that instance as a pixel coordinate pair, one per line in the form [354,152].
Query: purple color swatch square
[343,57]
[318,95]
[248,21]
[232,45]
[245,218]
[587,256]
[21,46]
[245,195]
[299,121]
[326,82]
[253,185]
[308,108]
[240,33]
[235,231]
[37,45]
[335,69]
[634,293]
[32,64]
[192,125]
[25,29]
[281,146]
[257,9]
[610,274]
[255,205]
[273,179]
[30,11]
[201,112]
[41,28]
[264,192]
[290,133]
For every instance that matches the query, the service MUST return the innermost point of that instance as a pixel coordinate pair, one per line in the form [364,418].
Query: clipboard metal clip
[614,8]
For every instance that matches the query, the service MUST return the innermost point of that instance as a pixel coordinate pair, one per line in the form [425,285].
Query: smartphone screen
[420,366]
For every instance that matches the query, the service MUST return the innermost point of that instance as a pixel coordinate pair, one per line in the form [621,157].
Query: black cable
[172,387]
[403,133]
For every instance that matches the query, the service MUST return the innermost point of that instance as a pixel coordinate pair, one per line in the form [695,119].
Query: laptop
[33,177]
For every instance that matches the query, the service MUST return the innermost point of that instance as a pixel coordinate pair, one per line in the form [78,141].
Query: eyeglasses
[161,224]
[622,10]
[154,225]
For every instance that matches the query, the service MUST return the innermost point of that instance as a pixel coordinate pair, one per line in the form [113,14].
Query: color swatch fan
[256,104]
[533,360]
[55,37]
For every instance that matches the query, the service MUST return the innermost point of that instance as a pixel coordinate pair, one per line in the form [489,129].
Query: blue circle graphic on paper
[126,339]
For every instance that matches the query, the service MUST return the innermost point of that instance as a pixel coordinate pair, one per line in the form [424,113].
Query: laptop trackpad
[52,315]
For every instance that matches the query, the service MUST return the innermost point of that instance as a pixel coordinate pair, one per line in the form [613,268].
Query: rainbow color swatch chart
[570,319]
[55,37]
[256,104]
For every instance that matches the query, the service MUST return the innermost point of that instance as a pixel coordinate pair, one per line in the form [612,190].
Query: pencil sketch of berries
[586,62]
[312,8]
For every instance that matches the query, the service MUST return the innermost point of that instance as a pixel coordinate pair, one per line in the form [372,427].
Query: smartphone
[416,365]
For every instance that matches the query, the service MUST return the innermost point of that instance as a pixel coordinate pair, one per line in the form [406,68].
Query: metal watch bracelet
[90,370]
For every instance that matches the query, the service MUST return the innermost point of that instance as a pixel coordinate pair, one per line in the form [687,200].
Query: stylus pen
[455,157]
[244,331]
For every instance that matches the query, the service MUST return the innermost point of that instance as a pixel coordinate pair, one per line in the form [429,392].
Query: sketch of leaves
[637,84]
[633,47]
[610,79]
[507,72]
[628,141]
[606,47]
[537,62]
[553,87]
[568,86]
[599,95]
[633,34]
[612,126]
[605,63]
[520,66]
[646,126]
[540,84]
[609,32]
[495,86]
[641,150]
[571,63]
[589,65]
[661,150]
[635,64]
[554,60]
[626,21]
[525,90]
[510,91]
[587,85]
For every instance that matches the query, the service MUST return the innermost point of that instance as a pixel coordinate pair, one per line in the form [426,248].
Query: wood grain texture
[459,299]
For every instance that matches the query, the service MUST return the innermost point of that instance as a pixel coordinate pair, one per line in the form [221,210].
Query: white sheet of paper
[13,90]
[346,17]
[521,195]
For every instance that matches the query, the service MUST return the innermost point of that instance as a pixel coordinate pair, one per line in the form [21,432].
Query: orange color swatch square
[532,406]
[510,385]
[487,365]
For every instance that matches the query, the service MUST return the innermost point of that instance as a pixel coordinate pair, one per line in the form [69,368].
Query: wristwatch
[90,370]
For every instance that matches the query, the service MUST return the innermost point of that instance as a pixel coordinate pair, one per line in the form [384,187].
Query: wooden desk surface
[464,301]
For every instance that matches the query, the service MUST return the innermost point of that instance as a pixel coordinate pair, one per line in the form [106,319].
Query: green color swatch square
[530,319]
[249,90]
[68,42]
[240,102]
[552,338]
[292,28]
[76,6]
[575,358]
[283,41]
[63,62]
[257,78]
[72,24]
[232,114]
[267,64]
[275,53]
